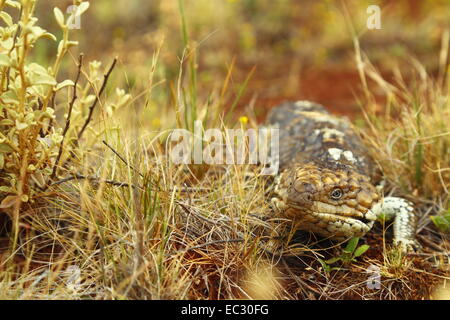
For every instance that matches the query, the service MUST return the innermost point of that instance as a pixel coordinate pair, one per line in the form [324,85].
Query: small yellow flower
[156,122]
[243,120]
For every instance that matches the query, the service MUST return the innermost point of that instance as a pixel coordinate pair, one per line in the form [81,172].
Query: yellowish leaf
[9,201]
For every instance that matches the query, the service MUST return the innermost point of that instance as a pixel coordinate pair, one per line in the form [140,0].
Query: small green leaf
[65,83]
[7,18]
[4,60]
[6,122]
[59,17]
[82,8]
[9,201]
[333,260]
[361,250]
[38,32]
[325,266]
[38,75]
[5,148]
[442,222]
[351,245]
[13,4]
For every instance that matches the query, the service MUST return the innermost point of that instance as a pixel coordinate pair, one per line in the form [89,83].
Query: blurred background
[286,49]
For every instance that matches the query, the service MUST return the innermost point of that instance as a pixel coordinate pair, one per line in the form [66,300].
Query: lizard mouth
[336,213]
[344,219]
[336,226]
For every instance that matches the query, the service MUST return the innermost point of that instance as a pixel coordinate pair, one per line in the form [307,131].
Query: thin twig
[97,98]
[95,179]
[69,115]
[122,158]
[207,244]
[112,182]
[91,110]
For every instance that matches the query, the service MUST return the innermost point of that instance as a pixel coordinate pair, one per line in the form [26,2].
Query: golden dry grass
[194,232]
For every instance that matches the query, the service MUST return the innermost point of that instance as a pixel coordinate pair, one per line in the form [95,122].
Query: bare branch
[69,115]
[122,158]
[94,179]
[91,110]
[97,98]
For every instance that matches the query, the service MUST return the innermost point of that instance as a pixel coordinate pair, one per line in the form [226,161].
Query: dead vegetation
[118,220]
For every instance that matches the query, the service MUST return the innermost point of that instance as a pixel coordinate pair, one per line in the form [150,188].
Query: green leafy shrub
[30,140]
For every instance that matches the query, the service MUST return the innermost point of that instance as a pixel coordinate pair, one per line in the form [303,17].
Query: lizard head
[332,202]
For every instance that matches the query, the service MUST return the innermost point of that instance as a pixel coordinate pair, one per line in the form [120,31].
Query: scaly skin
[327,183]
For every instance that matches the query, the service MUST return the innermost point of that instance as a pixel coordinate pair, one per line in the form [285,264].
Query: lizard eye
[336,194]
